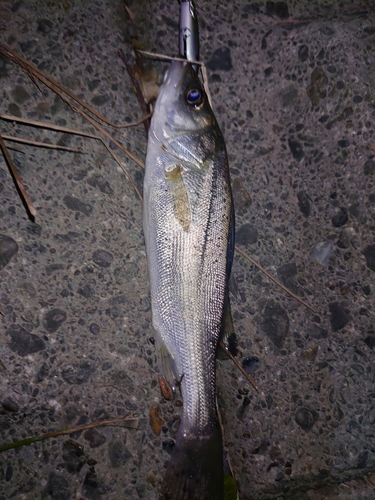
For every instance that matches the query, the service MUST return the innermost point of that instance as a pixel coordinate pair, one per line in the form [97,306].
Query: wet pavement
[292,88]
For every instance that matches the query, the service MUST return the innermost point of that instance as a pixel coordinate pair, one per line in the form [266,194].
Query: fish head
[182,106]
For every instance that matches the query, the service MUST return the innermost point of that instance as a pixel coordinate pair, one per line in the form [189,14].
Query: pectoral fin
[181,207]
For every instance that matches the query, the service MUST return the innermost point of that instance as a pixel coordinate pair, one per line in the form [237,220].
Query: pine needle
[289,292]
[198,63]
[62,92]
[40,144]
[51,126]
[17,179]
[136,85]
[36,73]
[168,58]
[70,430]
[239,366]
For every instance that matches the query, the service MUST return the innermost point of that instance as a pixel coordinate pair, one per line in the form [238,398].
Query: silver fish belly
[186,221]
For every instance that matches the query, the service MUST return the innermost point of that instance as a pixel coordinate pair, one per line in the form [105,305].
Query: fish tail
[195,470]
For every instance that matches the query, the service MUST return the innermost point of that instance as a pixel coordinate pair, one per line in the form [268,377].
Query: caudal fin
[195,470]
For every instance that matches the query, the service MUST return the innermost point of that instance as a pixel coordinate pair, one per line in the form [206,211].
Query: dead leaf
[155,422]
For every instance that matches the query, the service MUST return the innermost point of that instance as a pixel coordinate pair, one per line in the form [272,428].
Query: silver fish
[186,220]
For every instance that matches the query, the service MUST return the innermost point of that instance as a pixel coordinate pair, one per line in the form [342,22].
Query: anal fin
[167,364]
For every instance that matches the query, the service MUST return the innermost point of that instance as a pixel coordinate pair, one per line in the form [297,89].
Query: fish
[188,225]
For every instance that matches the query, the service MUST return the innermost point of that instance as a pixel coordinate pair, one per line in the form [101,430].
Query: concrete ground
[292,87]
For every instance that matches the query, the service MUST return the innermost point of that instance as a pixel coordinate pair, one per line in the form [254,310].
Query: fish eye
[195,97]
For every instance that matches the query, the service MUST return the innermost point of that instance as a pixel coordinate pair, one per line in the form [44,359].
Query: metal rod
[189,34]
